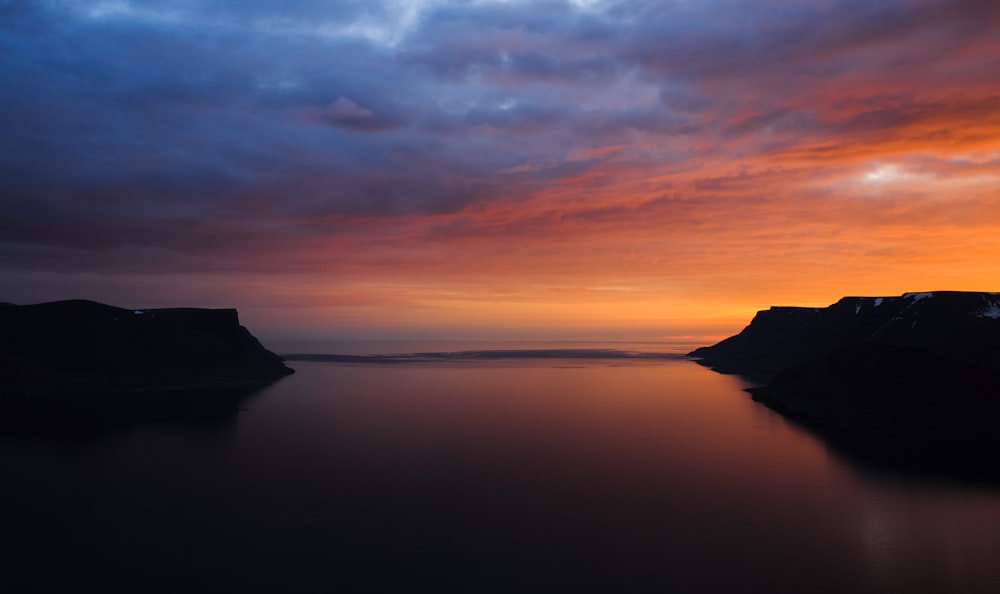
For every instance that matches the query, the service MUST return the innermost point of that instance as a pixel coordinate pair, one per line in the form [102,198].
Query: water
[554,475]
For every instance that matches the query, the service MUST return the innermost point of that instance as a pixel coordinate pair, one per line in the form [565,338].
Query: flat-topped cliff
[83,347]
[962,325]
[921,364]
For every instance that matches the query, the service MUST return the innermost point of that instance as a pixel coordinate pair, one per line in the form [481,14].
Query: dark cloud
[178,126]
[517,118]
[798,43]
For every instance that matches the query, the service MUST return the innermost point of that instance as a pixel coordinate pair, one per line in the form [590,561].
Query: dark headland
[83,358]
[921,365]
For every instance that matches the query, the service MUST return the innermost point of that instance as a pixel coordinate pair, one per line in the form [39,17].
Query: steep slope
[920,365]
[961,325]
[87,347]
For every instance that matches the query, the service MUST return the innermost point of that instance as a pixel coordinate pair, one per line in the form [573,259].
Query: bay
[499,475]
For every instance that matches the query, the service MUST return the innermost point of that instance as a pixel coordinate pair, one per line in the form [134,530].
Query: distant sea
[677,346]
[558,472]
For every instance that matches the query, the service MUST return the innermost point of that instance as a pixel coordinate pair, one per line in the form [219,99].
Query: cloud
[434,136]
[345,109]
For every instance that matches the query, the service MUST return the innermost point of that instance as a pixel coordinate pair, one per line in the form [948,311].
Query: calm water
[496,476]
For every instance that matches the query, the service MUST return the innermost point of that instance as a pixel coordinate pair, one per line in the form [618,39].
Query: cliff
[84,347]
[961,325]
[922,364]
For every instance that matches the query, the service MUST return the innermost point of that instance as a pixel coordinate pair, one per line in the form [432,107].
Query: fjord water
[530,475]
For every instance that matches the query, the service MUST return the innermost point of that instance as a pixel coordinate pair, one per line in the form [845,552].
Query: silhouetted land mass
[922,365]
[76,360]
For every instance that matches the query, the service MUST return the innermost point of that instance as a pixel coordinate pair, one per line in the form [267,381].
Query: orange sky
[575,171]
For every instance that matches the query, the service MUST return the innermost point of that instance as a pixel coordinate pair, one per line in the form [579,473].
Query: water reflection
[536,477]
[912,461]
[907,459]
[76,419]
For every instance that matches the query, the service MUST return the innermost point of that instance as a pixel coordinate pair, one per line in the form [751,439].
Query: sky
[566,169]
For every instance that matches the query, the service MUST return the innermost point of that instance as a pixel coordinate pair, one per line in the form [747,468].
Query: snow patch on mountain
[992,310]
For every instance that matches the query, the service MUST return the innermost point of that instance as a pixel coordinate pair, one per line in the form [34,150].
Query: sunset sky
[576,169]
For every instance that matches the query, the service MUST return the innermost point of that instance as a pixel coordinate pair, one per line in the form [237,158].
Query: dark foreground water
[526,475]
